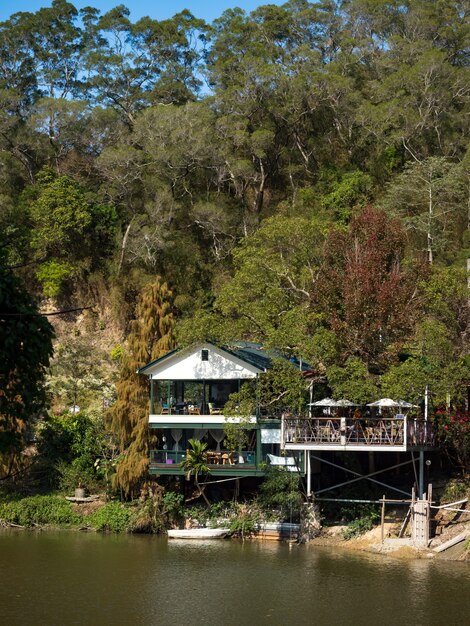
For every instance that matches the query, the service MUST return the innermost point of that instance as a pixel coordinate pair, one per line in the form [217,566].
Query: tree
[431,198]
[74,450]
[26,347]
[150,336]
[365,291]
[452,428]
[446,302]
[195,464]
[78,375]
[352,382]
[133,65]
[408,380]
[351,192]
[70,233]
[419,78]
[275,276]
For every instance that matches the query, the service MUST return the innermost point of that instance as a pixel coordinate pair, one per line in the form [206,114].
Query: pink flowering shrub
[453,433]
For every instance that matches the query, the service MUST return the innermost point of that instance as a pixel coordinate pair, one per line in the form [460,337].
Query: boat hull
[199,533]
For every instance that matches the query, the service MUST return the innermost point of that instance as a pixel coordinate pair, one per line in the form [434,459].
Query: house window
[204,355]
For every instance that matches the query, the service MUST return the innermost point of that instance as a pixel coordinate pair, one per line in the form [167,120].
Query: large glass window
[190,396]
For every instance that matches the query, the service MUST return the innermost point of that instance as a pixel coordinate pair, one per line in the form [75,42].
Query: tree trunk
[124,244]
[201,491]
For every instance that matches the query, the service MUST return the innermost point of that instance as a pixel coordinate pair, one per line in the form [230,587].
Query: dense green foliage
[298,176]
[74,451]
[25,347]
[113,516]
[39,511]
[281,490]
[366,521]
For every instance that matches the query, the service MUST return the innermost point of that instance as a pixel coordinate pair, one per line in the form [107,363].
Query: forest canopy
[298,176]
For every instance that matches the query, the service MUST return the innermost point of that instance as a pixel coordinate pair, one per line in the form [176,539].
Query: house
[188,390]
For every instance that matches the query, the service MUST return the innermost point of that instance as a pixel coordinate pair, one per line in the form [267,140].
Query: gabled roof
[250,353]
[240,362]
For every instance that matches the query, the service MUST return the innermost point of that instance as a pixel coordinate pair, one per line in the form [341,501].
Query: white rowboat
[199,533]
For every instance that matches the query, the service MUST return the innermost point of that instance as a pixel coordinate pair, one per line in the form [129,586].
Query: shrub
[77,474]
[453,432]
[173,507]
[362,524]
[246,521]
[455,490]
[281,489]
[52,275]
[39,511]
[113,516]
[157,510]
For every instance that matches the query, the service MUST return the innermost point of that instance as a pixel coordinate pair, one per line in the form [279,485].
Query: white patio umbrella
[324,402]
[333,403]
[386,403]
[407,405]
[344,403]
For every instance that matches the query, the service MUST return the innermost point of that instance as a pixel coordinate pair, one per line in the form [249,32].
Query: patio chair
[193,409]
[213,410]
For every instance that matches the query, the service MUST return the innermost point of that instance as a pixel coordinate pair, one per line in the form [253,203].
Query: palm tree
[195,464]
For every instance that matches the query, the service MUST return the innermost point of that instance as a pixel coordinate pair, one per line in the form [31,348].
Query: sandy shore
[371,541]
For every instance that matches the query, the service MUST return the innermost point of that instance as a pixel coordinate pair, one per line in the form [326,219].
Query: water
[67,578]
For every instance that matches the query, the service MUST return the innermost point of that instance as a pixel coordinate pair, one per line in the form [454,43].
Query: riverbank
[143,516]
[55,512]
[371,541]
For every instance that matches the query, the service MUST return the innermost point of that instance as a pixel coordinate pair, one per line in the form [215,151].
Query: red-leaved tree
[366,292]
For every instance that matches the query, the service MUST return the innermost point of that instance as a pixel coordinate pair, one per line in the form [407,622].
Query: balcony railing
[335,431]
[215,458]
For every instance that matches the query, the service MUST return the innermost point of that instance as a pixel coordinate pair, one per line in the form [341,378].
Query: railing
[222,458]
[420,433]
[379,431]
[167,457]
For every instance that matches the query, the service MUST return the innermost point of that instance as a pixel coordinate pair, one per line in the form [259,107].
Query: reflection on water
[72,578]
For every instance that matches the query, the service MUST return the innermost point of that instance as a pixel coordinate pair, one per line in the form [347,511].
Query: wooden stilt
[382,519]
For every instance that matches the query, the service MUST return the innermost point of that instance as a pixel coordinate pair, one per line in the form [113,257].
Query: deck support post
[258,444]
[382,519]
[309,473]
[342,430]
[421,495]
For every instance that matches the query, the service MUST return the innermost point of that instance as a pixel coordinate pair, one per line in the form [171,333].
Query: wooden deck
[340,433]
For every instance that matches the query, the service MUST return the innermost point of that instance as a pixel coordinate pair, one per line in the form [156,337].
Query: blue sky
[157,9]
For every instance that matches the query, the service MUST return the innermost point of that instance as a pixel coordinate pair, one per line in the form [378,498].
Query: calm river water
[70,578]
